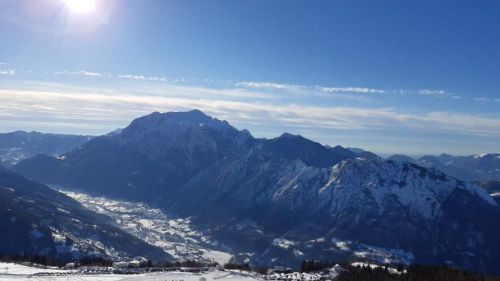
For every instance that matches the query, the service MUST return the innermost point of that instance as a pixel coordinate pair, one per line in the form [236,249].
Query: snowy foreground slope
[16,272]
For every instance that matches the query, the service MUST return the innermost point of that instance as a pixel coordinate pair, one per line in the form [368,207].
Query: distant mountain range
[483,167]
[37,220]
[279,201]
[19,145]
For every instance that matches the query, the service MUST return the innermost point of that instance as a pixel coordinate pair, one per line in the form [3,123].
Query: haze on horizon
[390,77]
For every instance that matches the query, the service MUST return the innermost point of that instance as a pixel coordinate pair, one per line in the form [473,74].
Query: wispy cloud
[349,90]
[7,72]
[356,90]
[109,109]
[432,92]
[152,78]
[339,91]
[293,87]
[136,77]
[485,99]
[268,85]
[121,76]
[82,73]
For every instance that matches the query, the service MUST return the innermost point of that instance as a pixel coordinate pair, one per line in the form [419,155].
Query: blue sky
[409,77]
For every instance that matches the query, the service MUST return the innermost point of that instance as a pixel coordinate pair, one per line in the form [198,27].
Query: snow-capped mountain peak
[165,121]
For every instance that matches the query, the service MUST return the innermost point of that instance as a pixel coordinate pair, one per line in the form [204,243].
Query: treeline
[245,267]
[314,265]
[97,261]
[94,261]
[413,273]
[187,263]
[33,259]
[49,261]
[238,266]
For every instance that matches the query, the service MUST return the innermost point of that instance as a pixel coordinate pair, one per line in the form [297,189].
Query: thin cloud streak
[117,110]
[292,87]
[269,86]
[7,72]
[484,99]
[357,90]
[82,73]
[431,92]
[121,76]
[353,90]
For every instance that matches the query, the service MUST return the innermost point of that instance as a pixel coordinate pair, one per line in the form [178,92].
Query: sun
[80,6]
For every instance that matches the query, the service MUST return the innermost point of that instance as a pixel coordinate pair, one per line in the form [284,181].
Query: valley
[175,236]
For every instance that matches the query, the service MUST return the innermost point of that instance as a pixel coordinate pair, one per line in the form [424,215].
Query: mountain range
[479,168]
[19,145]
[282,200]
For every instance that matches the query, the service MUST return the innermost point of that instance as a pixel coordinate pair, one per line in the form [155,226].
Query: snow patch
[283,243]
[342,245]
[384,255]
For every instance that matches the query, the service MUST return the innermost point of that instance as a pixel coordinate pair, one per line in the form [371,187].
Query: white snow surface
[16,272]
[7,268]
[283,243]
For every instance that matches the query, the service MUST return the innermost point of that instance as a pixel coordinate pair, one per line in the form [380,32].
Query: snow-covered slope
[422,191]
[37,220]
[20,270]
[396,207]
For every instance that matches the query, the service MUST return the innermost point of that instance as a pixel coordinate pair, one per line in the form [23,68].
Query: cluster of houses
[120,264]
[278,273]
[287,275]
[127,264]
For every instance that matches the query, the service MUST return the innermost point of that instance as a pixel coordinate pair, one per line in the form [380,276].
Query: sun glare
[80,6]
